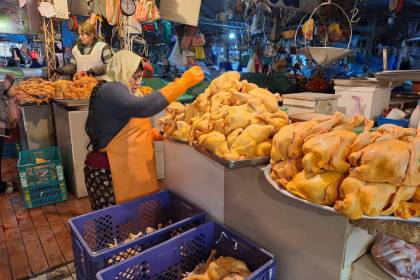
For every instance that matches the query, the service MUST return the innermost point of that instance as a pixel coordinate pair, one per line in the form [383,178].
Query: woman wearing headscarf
[120,131]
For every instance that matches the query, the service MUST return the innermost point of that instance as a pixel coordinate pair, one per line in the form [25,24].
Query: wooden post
[49,47]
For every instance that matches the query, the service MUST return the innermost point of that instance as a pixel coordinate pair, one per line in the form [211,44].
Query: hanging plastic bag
[146,10]
[175,58]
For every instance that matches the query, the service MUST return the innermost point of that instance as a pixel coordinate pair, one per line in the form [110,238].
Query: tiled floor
[36,241]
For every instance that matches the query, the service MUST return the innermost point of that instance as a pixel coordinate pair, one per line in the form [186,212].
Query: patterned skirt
[98,181]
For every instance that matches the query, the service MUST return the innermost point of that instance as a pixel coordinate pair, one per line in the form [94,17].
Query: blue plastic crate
[33,174]
[44,195]
[382,120]
[171,259]
[91,233]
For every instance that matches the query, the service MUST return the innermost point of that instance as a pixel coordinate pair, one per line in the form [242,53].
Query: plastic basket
[171,259]
[382,120]
[44,195]
[34,174]
[91,233]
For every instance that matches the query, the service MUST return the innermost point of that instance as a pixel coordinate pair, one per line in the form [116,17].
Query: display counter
[308,243]
[72,142]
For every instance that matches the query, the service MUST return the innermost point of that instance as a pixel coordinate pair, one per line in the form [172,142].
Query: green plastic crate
[34,174]
[44,195]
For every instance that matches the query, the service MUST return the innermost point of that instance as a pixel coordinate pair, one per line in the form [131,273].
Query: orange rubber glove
[156,135]
[191,77]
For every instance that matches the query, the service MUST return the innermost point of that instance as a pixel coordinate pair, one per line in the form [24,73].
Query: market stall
[290,139]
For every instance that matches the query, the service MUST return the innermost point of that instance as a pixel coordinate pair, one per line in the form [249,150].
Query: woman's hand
[193,76]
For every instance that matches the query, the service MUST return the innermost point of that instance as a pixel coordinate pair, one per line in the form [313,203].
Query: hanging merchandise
[189,32]
[150,27]
[166,31]
[199,40]
[146,11]
[334,32]
[239,6]
[199,53]
[250,68]
[73,24]
[113,11]
[181,11]
[308,29]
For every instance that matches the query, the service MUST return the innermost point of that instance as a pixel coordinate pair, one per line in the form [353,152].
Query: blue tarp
[17,38]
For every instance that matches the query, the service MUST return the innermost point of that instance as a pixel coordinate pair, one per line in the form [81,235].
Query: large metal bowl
[324,56]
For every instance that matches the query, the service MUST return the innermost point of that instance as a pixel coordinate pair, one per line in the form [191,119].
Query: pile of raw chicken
[373,173]
[40,91]
[233,119]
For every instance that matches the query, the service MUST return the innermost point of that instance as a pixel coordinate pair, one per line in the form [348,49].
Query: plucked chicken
[246,115]
[413,170]
[383,162]
[214,142]
[364,138]
[328,152]
[246,143]
[283,171]
[318,188]
[222,268]
[358,198]
[411,208]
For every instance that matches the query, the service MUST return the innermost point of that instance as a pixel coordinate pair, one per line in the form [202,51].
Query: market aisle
[36,240]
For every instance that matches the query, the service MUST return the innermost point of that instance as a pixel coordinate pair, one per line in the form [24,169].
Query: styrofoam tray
[267,174]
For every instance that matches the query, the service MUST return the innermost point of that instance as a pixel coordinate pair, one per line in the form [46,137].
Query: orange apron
[132,160]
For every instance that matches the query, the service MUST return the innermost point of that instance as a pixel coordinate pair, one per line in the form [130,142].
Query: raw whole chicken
[288,142]
[408,209]
[237,117]
[283,171]
[245,144]
[319,188]
[413,170]
[358,198]
[390,131]
[214,142]
[351,123]
[182,131]
[244,114]
[364,138]
[383,162]
[264,148]
[328,152]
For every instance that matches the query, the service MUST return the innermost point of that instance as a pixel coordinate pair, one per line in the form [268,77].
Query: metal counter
[72,142]
[308,243]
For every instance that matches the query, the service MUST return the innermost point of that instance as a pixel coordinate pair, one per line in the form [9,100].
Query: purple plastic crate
[91,233]
[171,259]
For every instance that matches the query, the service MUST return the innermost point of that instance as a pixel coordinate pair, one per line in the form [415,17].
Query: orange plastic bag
[146,11]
